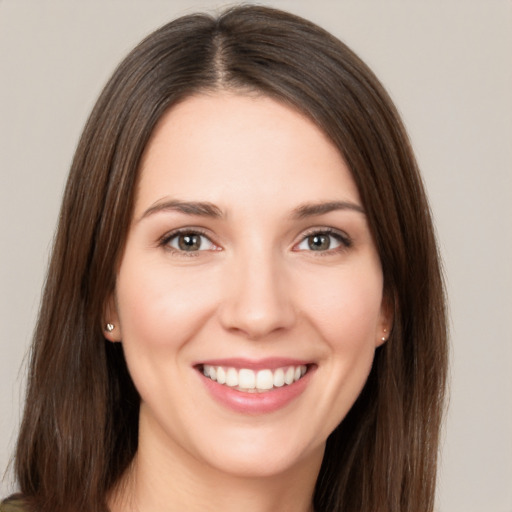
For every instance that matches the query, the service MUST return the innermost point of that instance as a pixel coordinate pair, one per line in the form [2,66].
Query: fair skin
[273,268]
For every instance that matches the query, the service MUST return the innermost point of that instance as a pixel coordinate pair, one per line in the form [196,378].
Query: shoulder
[14,504]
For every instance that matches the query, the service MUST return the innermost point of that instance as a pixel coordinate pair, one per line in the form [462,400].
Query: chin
[260,454]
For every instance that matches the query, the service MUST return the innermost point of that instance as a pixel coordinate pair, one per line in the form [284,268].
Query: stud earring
[109,327]
[384,337]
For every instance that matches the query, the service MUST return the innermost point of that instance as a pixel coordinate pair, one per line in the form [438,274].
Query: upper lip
[270,363]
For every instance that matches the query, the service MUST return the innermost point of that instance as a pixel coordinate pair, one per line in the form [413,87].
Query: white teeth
[279,378]
[221,375]
[264,379]
[246,379]
[289,375]
[249,380]
[232,378]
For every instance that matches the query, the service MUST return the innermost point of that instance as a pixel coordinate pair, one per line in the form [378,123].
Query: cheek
[349,320]
[346,305]
[160,310]
[160,307]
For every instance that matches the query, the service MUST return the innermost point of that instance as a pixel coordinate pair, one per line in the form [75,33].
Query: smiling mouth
[251,381]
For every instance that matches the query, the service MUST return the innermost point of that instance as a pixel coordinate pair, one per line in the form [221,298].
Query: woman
[244,307]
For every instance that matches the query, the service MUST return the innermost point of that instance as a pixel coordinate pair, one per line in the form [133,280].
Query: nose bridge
[259,301]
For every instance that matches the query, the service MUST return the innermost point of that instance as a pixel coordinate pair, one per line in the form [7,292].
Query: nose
[259,298]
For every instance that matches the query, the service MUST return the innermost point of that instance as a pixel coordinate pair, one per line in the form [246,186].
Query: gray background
[448,66]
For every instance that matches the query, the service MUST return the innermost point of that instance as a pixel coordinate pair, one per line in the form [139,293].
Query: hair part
[80,426]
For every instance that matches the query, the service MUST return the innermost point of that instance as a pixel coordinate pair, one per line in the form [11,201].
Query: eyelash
[344,240]
[168,237]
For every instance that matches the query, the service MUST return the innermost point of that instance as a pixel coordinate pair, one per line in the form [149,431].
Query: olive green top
[14,504]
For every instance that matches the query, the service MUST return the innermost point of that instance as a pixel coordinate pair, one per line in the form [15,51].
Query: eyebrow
[312,209]
[205,209]
[202,209]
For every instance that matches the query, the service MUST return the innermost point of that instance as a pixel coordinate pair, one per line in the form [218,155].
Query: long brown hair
[80,426]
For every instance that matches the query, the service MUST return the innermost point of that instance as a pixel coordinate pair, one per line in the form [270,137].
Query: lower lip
[256,403]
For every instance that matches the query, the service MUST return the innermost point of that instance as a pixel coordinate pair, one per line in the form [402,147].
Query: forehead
[224,146]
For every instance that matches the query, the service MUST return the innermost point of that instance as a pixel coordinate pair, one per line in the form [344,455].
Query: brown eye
[324,241]
[190,242]
[319,242]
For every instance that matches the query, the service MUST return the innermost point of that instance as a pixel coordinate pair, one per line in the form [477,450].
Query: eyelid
[167,237]
[344,239]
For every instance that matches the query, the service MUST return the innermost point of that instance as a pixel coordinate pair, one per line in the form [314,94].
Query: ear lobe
[386,320]
[110,325]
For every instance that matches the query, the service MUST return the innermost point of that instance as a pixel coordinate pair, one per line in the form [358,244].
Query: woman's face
[249,259]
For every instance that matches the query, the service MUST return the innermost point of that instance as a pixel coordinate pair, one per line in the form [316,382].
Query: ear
[387,316]
[111,326]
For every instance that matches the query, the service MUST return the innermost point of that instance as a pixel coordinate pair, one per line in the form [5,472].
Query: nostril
[254,322]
